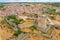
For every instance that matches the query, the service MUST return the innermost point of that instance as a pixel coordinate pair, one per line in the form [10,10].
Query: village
[29,21]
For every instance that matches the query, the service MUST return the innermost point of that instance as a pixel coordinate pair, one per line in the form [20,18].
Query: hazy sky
[29,0]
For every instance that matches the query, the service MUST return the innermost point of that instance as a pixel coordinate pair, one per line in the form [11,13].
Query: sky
[29,0]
